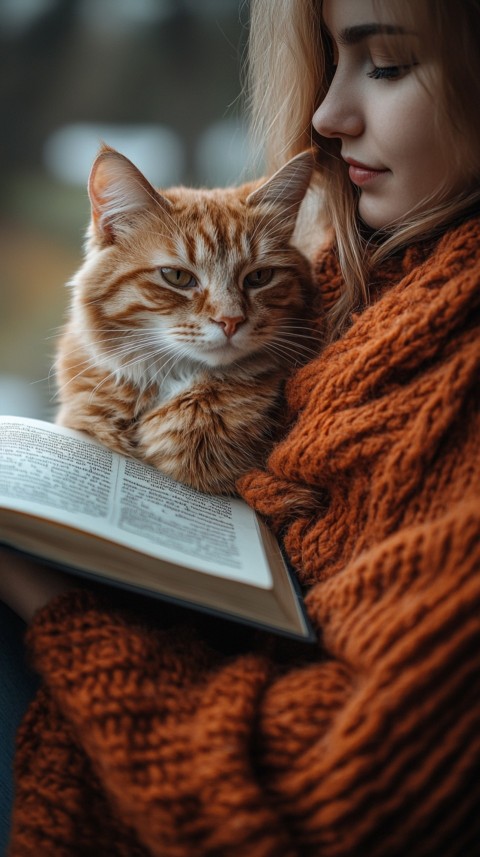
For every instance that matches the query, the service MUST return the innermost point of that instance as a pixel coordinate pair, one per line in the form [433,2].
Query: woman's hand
[26,586]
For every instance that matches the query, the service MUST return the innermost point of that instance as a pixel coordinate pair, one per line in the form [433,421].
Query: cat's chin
[222,355]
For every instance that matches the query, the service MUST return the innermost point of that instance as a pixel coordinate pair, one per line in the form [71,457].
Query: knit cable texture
[155,742]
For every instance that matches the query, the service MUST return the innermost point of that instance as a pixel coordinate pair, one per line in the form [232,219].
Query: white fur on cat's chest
[171,381]
[180,379]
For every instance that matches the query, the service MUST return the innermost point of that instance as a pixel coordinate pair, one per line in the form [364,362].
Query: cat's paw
[197,445]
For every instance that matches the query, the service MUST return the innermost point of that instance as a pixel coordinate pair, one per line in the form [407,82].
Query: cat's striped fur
[190,309]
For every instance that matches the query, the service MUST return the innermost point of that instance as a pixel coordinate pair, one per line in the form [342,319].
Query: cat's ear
[285,190]
[118,191]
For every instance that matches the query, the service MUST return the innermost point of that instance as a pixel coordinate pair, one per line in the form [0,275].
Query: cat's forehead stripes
[207,235]
[212,228]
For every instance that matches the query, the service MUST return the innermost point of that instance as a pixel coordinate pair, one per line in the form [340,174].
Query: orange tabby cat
[187,314]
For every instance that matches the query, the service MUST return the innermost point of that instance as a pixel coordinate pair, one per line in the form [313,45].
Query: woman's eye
[258,278]
[388,72]
[178,278]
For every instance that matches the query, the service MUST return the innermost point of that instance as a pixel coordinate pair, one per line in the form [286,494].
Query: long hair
[290,67]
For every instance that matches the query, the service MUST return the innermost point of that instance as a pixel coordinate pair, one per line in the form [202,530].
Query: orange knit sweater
[168,742]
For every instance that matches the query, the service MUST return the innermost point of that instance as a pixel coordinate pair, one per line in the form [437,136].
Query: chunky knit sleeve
[169,749]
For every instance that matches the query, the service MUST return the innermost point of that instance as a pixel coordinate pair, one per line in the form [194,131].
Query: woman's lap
[17,687]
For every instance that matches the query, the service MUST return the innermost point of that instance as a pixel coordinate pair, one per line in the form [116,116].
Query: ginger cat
[188,313]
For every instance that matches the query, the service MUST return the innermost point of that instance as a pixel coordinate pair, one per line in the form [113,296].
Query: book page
[53,472]
[170,513]
[42,467]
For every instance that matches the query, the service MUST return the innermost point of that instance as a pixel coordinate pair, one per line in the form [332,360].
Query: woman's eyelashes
[385,71]
[389,72]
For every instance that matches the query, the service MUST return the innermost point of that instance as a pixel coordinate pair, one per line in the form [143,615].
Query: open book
[69,500]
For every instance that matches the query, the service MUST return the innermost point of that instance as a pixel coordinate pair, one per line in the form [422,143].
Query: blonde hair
[289,72]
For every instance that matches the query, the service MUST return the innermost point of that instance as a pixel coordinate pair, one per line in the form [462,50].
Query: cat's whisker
[301,332]
[98,331]
[55,332]
[46,379]
[91,363]
[290,353]
[294,323]
[278,352]
[299,339]
[304,352]
[118,330]
[63,387]
[113,375]
[98,386]
[296,347]
[299,329]
[176,357]
[122,345]
[309,343]
[133,339]
[154,353]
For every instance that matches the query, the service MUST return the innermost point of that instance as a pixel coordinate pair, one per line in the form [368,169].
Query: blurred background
[157,79]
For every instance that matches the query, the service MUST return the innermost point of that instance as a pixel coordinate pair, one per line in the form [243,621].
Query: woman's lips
[361,174]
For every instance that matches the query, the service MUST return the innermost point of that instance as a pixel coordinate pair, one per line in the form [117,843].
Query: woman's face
[382,113]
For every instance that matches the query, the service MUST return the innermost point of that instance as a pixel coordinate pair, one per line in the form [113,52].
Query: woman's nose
[339,114]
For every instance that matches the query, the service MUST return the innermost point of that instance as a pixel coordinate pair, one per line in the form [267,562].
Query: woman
[178,742]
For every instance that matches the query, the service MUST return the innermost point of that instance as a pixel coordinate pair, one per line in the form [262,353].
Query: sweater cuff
[63,614]
[63,607]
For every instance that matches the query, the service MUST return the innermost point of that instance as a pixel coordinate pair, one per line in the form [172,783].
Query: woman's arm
[368,747]
[26,586]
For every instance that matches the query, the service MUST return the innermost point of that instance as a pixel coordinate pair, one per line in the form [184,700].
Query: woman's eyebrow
[354,35]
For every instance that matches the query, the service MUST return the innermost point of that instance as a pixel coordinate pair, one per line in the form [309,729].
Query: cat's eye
[178,278]
[256,279]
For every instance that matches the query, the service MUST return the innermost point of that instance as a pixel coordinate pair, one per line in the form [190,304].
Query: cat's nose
[230,323]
